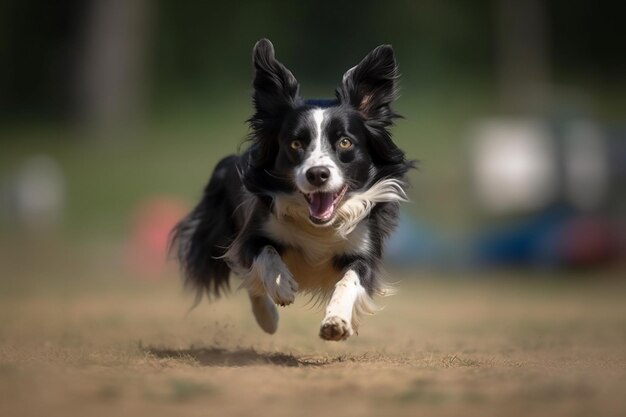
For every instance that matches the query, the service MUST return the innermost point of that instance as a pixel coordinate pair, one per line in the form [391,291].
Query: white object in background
[38,193]
[513,165]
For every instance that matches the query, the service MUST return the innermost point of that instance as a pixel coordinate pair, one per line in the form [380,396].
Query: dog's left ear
[370,87]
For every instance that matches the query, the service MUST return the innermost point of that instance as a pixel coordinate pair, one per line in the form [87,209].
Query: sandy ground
[441,347]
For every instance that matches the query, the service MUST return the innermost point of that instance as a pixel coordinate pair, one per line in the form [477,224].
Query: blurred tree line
[72,60]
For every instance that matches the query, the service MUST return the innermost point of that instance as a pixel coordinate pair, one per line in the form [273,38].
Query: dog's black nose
[318,175]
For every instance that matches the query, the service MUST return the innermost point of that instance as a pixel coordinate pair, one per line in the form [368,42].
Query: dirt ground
[441,347]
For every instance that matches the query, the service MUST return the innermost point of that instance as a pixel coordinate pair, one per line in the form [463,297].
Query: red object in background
[151,225]
[589,241]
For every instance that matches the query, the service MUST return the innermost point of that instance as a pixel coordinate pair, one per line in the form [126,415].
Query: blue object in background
[535,240]
[415,243]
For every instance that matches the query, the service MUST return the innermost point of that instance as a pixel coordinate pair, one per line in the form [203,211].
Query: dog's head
[323,151]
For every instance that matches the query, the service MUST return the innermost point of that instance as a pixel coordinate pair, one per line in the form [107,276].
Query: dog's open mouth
[322,205]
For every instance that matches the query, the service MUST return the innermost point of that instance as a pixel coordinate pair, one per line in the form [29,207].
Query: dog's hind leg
[265,312]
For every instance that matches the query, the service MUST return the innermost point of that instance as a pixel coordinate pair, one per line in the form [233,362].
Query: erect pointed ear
[275,87]
[276,91]
[370,87]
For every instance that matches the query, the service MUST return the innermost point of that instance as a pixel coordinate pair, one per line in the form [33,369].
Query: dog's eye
[345,143]
[295,145]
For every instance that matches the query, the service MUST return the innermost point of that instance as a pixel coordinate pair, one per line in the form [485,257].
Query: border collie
[308,206]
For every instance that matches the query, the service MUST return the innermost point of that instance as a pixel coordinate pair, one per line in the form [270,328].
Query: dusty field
[441,347]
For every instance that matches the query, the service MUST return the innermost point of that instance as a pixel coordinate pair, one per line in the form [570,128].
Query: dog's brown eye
[295,145]
[345,143]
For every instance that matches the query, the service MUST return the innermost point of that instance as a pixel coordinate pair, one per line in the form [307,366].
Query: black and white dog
[308,206]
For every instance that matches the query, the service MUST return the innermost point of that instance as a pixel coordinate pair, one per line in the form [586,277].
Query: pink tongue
[321,205]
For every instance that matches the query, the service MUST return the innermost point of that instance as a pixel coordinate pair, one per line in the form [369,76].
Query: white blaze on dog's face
[319,171]
[317,177]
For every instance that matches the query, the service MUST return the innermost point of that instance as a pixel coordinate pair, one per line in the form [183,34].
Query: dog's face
[324,151]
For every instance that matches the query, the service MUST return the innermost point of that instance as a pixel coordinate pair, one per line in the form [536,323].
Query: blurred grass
[174,149]
[174,152]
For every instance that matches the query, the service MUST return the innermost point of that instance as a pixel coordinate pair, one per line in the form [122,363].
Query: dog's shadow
[215,356]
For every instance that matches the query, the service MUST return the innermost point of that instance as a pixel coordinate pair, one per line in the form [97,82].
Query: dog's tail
[202,238]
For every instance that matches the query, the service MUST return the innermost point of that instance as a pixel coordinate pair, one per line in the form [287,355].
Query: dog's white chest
[309,250]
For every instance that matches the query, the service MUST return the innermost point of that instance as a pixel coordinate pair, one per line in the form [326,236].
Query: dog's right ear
[276,90]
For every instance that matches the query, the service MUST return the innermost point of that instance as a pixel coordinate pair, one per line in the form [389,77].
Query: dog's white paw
[270,276]
[279,284]
[335,328]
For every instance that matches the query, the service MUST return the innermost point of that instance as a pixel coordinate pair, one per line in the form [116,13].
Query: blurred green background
[133,101]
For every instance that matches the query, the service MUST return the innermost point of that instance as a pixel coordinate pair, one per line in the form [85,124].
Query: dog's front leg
[338,321]
[269,276]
